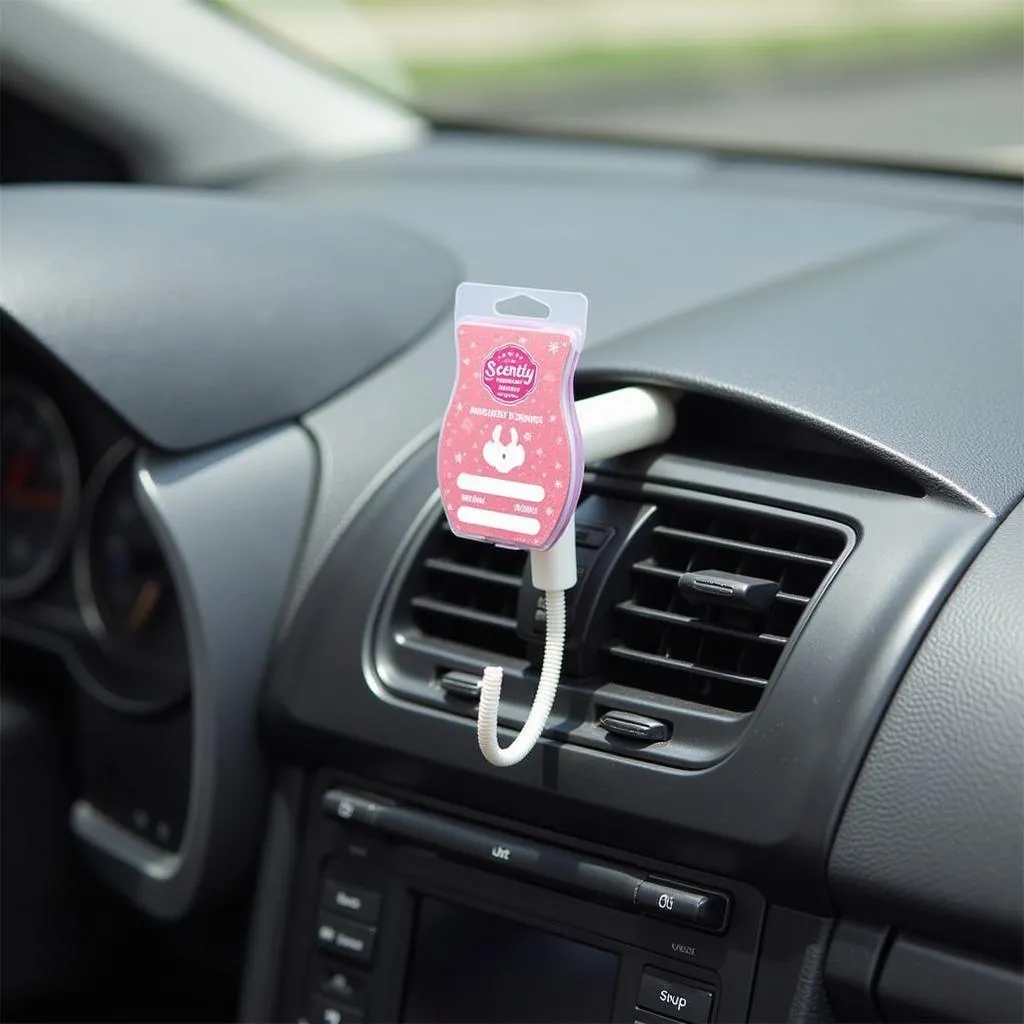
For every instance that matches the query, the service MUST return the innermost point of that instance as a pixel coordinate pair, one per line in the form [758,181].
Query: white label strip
[474,516]
[500,488]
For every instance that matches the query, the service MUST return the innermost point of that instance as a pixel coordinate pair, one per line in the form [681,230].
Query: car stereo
[404,914]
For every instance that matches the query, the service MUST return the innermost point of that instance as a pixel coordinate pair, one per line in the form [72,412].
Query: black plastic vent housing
[638,642]
[669,642]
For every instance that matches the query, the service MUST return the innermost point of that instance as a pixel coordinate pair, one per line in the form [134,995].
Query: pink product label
[509,457]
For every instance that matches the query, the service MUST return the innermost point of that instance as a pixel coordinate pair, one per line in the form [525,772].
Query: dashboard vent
[467,594]
[696,658]
[703,652]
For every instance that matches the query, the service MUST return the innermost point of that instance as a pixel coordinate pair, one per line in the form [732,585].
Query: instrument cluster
[81,569]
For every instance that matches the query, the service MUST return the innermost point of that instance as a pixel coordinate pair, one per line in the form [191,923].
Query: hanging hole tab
[523,305]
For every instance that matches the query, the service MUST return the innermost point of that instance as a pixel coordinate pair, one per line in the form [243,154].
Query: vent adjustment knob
[729,588]
[634,727]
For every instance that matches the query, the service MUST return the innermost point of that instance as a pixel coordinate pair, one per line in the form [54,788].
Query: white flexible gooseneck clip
[612,424]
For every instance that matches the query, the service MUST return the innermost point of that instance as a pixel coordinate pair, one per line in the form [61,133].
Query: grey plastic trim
[231,522]
[118,844]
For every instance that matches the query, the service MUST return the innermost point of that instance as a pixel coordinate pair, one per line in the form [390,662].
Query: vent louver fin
[702,652]
[468,594]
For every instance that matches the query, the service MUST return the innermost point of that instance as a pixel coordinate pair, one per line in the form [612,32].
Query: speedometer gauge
[126,592]
[38,488]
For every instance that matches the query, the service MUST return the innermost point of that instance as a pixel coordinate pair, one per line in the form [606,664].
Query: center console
[409,913]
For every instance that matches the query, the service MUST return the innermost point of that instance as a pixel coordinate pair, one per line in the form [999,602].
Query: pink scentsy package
[510,458]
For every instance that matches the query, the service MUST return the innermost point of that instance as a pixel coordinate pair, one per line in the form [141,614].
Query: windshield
[921,81]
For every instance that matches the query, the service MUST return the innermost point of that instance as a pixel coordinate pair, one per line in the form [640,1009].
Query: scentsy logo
[510,374]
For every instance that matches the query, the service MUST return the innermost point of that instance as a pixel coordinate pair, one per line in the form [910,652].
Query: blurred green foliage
[850,47]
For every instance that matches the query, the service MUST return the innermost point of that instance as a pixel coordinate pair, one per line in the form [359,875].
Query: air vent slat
[739,545]
[431,604]
[663,661]
[672,619]
[473,572]
[454,654]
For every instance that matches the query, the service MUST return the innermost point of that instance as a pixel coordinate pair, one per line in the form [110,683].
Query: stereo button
[693,908]
[674,998]
[351,900]
[359,810]
[342,983]
[346,938]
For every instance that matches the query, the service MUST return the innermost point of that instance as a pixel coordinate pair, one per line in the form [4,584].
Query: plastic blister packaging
[510,455]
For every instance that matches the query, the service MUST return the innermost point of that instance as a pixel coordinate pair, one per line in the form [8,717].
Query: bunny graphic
[504,457]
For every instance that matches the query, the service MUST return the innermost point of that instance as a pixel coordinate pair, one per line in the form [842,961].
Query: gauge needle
[145,605]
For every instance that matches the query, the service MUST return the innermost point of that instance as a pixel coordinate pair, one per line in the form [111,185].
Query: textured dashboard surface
[200,317]
[884,309]
[933,829]
[879,350]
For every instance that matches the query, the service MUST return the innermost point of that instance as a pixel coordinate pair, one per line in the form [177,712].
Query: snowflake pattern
[458,457]
[528,436]
[554,347]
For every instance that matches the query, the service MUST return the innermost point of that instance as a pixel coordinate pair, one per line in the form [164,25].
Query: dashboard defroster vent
[671,642]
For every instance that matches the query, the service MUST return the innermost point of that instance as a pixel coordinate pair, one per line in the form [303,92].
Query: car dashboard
[221,512]
[84,578]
